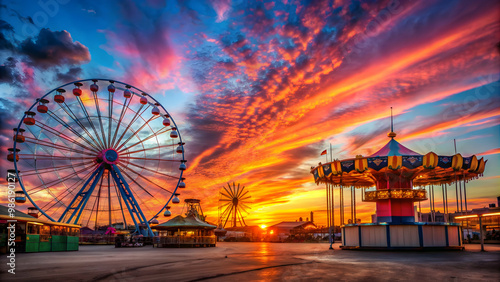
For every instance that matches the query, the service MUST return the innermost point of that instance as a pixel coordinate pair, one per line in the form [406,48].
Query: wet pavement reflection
[256,262]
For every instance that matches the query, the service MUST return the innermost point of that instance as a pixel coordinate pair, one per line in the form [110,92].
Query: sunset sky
[259,89]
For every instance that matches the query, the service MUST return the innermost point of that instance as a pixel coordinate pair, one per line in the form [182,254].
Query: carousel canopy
[394,148]
[395,161]
[188,222]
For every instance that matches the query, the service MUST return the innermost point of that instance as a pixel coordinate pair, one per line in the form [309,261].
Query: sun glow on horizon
[258,91]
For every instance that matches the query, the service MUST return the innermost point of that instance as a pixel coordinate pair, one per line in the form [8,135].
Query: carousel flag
[377,163]
[320,172]
[336,168]
[327,170]
[412,162]
[480,166]
[430,160]
[394,162]
[323,153]
[316,175]
[473,164]
[469,163]
[361,164]
[457,162]
[445,161]
[347,166]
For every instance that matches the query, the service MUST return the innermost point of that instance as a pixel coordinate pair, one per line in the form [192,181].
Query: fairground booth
[395,178]
[35,235]
[186,231]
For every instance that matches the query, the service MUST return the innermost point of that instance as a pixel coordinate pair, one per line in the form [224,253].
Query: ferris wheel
[233,205]
[98,157]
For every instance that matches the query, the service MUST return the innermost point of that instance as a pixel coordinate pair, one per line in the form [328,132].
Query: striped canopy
[394,148]
[396,160]
[188,222]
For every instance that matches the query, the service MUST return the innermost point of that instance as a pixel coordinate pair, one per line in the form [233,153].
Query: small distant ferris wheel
[233,206]
[98,157]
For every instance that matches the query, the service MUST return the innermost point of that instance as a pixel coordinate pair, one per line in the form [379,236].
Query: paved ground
[254,262]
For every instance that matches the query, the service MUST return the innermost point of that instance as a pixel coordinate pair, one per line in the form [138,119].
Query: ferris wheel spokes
[43,186]
[130,124]
[62,122]
[98,110]
[49,169]
[150,181]
[59,200]
[155,134]
[79,123]
[110,112]
[87,116]
[148,149]
[160,173]
[86,195]
[52,145]
[45,146]
[122,114]
[96,202]
[137,131]
[61,135]
[138,184]
[232,202]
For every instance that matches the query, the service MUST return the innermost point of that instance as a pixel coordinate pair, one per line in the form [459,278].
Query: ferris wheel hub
[109,156]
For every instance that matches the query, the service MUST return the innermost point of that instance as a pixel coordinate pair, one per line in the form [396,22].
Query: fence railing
[97,239]
[185,240]
[414,194]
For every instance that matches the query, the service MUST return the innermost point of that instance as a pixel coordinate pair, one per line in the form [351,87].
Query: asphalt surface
[255,262]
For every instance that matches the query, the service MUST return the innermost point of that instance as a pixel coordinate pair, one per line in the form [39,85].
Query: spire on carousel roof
[392,134]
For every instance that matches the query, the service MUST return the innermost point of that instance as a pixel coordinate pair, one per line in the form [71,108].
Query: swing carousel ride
[399,176]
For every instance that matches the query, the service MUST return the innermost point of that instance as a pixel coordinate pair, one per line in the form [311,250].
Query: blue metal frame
[84,194]
[129,199]
[83,80]
[87,196]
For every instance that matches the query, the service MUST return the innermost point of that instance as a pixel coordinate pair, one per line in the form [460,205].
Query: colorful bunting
[457,162]
[361,164]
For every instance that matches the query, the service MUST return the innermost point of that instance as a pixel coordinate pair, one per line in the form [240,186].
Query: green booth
[51,238]
[45,239]
[73,239]
[34,235]
[64,238]
[59,238]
